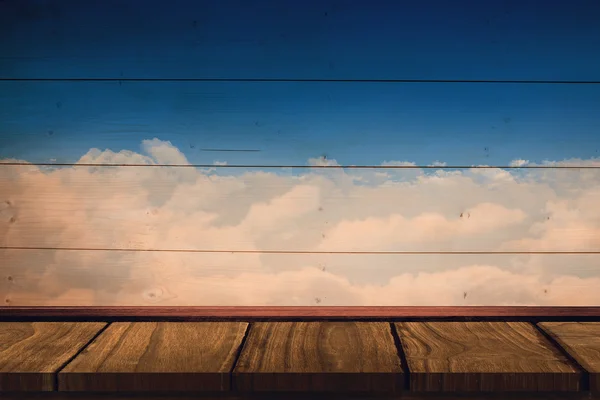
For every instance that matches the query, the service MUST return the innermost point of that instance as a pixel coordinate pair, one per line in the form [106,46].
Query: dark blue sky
[355,123]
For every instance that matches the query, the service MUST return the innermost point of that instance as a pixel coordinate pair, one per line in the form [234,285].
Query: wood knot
[12,219]
[10,278]
[153,294]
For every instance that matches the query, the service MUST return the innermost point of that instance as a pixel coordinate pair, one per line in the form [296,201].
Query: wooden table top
[68,360]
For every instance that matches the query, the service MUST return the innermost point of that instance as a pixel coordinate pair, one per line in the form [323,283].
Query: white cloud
[311,210]
[438,164]
[322,161]
[518,163]
[399,163]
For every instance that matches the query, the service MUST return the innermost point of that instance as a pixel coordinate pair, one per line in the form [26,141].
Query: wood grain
[582,341]
[297,396]
[159,356]
[319,356]
[484,356]
[32,352]
[305,313]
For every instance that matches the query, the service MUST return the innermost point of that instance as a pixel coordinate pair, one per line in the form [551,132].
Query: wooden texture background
[239,358]
[220,217]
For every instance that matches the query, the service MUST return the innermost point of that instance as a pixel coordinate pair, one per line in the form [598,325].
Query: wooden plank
[484,356]
[32,352]
[297,396]
[118,204]
[251,313]
[288,123]
[35,278]
[310,39]
[582,341]
[159,356]
[319,356]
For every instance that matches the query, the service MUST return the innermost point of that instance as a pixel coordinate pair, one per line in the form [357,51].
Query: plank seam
[316,80]
[249,251]
[401,355]
[229,166]
[238,354]
[78,353]
[585,375]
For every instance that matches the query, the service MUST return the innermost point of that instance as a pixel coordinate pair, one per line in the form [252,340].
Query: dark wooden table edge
[296,395]
[315,313]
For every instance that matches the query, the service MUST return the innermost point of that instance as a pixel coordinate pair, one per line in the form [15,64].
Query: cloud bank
[302,210]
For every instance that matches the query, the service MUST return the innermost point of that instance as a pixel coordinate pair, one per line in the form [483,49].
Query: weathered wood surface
[297,396]
[319,356]
[31,353]
[288,123]
[378,39]
[125,44]
[114,202]
[582,341]
[107,212]
[157,356]
[484,356]
[249,313]
[295,357]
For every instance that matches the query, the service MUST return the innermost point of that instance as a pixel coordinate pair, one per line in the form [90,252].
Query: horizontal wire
[121,79]
[292,251]
[17,163]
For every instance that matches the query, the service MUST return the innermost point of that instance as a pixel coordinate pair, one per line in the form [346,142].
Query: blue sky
[354,123]
[290,123]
